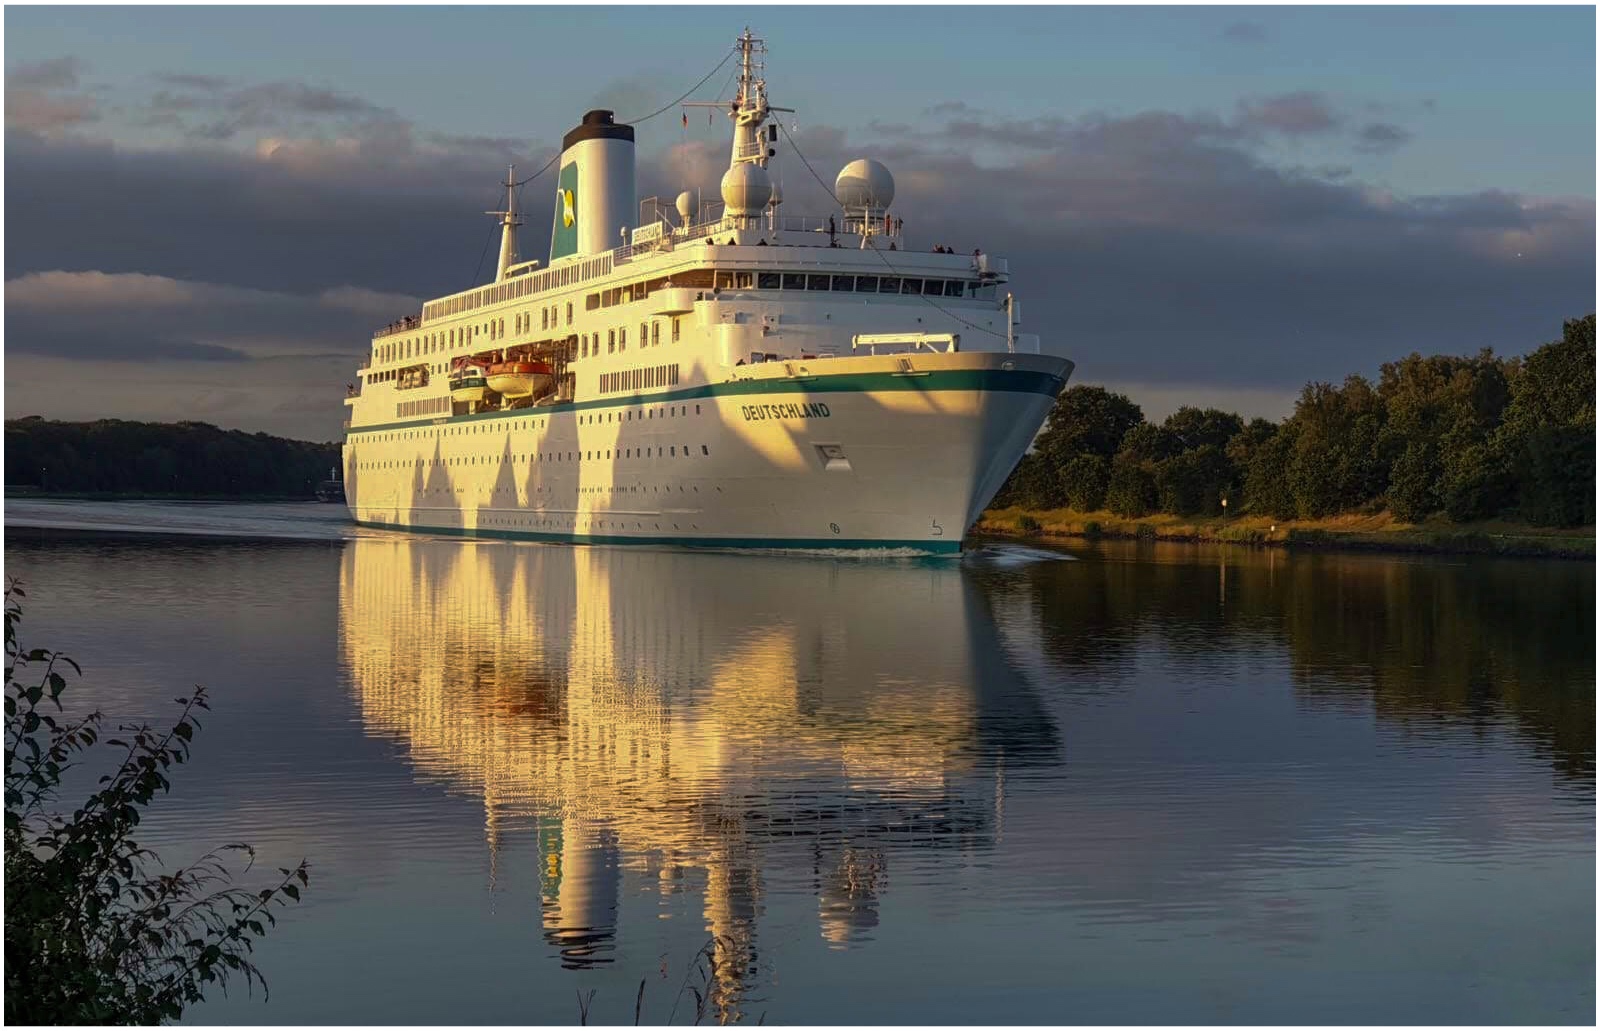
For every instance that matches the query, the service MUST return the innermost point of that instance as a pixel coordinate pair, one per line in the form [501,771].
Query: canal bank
[1358,532]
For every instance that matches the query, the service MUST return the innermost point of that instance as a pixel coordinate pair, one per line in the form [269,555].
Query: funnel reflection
[701,721]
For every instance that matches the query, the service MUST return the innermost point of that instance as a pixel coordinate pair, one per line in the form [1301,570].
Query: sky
[209,209]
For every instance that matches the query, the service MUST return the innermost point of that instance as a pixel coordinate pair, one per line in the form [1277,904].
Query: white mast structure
[510,219]
[747,189]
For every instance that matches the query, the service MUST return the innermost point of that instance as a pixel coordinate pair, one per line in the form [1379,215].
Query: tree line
[193,458]
[1472,437]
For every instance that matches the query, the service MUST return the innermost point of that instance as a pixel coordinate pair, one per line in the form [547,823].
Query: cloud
[1160,249]
[1381,137]
[140,318]
[55,73]
[33,111]
[207,107]
[32,103]
[1301,113]
[184,80]
[1245,32]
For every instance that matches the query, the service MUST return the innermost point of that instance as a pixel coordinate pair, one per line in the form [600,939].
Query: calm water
[1118,783]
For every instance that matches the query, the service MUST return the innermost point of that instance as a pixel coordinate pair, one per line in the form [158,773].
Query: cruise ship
[720,374]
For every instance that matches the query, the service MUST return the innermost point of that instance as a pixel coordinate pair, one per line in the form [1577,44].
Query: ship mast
[750,110]
[510,219]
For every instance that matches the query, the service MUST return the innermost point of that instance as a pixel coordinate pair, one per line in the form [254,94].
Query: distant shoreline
[53,495]
[1376,532]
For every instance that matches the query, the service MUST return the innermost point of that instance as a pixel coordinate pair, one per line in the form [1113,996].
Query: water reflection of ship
[668,714]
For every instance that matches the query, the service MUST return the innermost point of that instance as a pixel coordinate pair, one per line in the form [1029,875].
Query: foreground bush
[94,935]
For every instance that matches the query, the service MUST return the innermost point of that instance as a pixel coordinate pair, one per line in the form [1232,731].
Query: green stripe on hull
[995,380]
[767,543]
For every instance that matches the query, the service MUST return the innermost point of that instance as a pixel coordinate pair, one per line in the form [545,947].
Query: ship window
[724,280]
[742,280]
[655,334]
[889,285]
[644,334]
[768,281]
[845,283]
[569,313]
[911,286]
[866,284]
[591,302]
[544,318]
[674,330]
[622,339]
[816,282]
[794,281]
[611,341]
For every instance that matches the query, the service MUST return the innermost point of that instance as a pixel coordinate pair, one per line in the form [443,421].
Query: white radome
[687,208]
[864,183]
[746,188]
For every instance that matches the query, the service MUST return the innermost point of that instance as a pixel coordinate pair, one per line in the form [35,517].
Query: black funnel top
[597,125]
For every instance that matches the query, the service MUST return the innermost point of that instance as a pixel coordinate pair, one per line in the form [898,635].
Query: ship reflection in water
[694,720]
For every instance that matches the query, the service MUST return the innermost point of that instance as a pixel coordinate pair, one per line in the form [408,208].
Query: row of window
[520,286]
[597,455]
[812,281]
[617,339]
[640,379]
[639,414]
[427,406]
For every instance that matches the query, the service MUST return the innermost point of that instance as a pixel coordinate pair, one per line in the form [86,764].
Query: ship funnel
[595,191]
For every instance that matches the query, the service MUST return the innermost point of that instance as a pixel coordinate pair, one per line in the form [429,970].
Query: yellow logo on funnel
[567,215]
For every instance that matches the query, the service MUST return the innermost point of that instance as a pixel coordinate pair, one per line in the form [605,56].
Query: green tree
[1546,440]
[1266,483]
[95,934]
[1074,451]
[1336,465]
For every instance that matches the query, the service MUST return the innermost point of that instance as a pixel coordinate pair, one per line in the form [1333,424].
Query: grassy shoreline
[1375,532]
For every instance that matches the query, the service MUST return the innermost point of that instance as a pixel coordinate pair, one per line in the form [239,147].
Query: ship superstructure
[725,375]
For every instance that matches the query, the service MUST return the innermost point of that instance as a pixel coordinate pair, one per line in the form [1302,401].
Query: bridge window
[889,285]
[815,282]
[911,286]
[794,281]
[768,281]
[845,283]
[866,284]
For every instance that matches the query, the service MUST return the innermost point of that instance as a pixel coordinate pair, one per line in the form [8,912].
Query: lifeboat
[520,378]
[467,382]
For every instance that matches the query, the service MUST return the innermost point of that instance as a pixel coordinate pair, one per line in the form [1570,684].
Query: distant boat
[331,490]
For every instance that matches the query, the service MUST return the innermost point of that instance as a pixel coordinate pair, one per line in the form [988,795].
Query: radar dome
[864,183]
[687,208]
[746,188]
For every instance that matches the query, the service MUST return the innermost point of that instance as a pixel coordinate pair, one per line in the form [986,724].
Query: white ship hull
[885,452]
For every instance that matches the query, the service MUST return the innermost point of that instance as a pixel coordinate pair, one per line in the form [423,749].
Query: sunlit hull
[878,452]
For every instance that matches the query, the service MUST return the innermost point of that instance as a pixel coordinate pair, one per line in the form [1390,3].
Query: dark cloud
[1245,32]
[1302,113]
[208,108]
[1158,249]
[1381,137]
[55,73]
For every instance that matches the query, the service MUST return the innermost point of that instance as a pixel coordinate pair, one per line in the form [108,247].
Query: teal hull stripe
[767,543]
[996,380]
